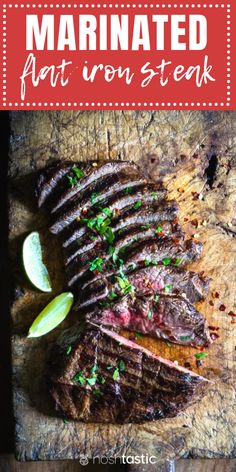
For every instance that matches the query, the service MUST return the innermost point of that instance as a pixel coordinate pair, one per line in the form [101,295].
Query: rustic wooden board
[193,151]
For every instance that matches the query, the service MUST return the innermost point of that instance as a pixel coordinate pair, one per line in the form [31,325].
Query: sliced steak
[147,214]
[107,379]
[91,242]
[92,176]
[170,317]
[121,248]
[149,281]
[116,203]
[146,253]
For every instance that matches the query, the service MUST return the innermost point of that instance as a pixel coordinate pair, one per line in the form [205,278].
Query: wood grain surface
[194,152]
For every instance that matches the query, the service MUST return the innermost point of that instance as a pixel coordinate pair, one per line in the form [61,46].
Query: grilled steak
[172,318]
[98,376]
[124,257]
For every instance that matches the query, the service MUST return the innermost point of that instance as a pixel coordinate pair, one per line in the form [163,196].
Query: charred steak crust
[107,379]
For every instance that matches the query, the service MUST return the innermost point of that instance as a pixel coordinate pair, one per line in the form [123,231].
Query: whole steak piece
[98,376]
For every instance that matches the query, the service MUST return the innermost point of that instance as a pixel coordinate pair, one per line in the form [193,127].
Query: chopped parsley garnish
[147,262]
[94,197]
[109,367]
[121,365]
[69,349]
[132,266]
[168,288]
[78,173]
[154,194]
[138,335]
[166,261]
[159,230]
[65,421]
[127,190]
[79,377]
[94,368]
[115,374]
[112,295]
[185,338]
[107,211]
[109,235]
[178,261]
[92,380]
[102,380]
[96,264]
[137,205]
[149,315]
[97,392]
[93,238]
[145,226]
[201,355]
[156,297]
[125,285]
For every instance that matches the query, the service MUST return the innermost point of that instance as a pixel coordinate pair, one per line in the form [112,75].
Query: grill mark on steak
[171,317]
[166,211]
[149,281]
[102,170]
[116,202]
[157,389]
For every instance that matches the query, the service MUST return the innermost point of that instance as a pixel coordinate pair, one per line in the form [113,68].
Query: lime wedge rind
[52,315]
[35,269]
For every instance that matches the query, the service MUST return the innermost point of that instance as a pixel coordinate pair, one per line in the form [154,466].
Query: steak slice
[106,378]
[92,174]
[49,179]
[149,281]
[169,317]
[115,202]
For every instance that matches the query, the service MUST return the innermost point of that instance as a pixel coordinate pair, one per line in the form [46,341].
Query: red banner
[119,55]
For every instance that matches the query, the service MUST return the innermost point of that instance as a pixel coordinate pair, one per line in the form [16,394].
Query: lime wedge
[52,315]
[34,267]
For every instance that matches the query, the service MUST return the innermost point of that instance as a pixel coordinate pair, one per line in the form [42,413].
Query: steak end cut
[99,376]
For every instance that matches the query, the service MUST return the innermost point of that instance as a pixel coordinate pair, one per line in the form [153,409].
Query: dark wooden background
[7,461]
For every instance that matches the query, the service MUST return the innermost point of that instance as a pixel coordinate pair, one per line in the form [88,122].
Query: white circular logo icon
[83,460]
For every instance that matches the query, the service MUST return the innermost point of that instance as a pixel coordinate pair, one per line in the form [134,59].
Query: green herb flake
[166,261]
[127,190]
[78,172]
[92,380]
[94,197]
[156,297]
[149,315]
[137,205]
[109,235]
[138,335]
[109,367]
[68,351]
[102,380]
[154,194]
[121,366]
[115,374]
[93,238]
[65,421]
[125,285]
[145,226]
[96,264]
[72,180]
[178,261]
[185,338]
[80,378]
[107,211]
[112,295]
[94,368]
[97,392]
[201,355]
[147,262]
[159,230]
[168,288]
